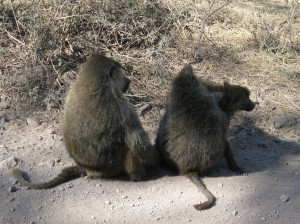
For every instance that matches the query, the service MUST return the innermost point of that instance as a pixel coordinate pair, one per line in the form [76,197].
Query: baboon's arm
[230,160]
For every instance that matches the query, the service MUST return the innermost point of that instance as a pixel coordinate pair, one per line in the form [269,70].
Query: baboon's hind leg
[210,198]
[230,160]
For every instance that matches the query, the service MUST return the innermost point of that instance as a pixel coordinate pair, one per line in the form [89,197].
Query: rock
[12,189]
[9,163]
[284,198]
[4,105]
[32,122]
[283,121]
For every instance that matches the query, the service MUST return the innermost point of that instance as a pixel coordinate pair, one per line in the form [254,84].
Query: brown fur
[192,135]
[102,132]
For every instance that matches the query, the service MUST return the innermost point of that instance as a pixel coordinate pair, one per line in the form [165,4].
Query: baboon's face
[237,98]
[118,77]
[244,103]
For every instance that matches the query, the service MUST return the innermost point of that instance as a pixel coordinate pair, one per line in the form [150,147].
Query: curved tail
[67,174]
[210,198]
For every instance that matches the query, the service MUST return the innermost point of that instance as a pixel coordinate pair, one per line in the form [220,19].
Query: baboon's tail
[67,174]
[210,198]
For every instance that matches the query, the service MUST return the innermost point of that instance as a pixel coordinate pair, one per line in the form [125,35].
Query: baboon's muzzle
[250,106]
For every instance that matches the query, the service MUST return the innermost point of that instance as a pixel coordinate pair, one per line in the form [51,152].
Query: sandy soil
[268,193]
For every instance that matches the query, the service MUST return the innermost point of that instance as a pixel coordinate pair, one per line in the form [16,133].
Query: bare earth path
[269,193]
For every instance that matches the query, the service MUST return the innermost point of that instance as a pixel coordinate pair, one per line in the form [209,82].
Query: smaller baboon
[102,132]
[192,134]
[230,98]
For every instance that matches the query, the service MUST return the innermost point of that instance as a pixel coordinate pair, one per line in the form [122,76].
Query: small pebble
[32,122]
[69,185]
[9,163]
[51,131]
[284,198]
[234,213]
[13,180]
[12,189]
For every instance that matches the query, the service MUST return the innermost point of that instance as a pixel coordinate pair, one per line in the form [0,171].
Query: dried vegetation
[253,43]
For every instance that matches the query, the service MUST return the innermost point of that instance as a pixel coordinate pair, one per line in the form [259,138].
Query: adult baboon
[102,132]
[192,135]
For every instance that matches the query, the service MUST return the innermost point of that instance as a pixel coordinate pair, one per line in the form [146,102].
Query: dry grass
[253,43]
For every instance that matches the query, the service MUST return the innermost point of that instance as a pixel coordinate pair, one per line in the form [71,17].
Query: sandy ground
[268,193]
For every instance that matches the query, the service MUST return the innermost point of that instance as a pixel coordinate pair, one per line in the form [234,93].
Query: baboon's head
[102,70]
[117,76]
[236,98]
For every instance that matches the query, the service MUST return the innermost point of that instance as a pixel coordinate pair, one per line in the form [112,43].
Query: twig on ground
[13,10]
[12,37]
